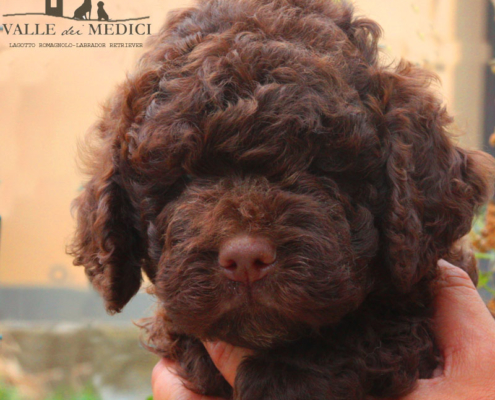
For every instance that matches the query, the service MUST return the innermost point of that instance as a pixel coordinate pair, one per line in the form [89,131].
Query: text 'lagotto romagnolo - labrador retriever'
[283,191]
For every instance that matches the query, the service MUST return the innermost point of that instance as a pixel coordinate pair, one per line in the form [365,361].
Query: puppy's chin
[256,318]
[256,330]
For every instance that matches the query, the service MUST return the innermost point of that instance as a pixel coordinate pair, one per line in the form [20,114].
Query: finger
[434,389]
[462,320]
[226,358]
[166,385]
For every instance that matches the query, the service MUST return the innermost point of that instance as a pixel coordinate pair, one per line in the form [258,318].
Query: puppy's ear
[109,240]
[433,186]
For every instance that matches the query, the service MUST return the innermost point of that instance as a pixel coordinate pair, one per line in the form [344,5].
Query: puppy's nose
[246,258]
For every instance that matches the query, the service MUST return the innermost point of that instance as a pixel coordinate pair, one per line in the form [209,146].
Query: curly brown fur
[276,118]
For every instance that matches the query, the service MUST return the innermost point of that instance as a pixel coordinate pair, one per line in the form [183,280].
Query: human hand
[167,385]
[465,332]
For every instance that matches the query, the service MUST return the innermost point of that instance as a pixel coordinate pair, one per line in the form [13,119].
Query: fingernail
[443,263]
[210,344]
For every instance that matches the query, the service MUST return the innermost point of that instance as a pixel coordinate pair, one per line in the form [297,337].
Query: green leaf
[484,256]
[484,279]
[484,282]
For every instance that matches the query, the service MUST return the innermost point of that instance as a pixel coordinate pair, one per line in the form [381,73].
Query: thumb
[226,358]
[462,321]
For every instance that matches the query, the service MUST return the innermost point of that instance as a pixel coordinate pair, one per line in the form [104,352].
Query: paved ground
[65,356]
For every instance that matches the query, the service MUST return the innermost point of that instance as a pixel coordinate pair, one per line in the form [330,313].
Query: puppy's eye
[176,189]
[316,170]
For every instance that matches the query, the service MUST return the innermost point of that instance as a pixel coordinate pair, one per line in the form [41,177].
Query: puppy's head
[267,173]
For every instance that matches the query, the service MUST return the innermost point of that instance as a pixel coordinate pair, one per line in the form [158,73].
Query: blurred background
[58,343]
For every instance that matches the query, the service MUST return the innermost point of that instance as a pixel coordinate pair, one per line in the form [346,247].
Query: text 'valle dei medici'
[92,29]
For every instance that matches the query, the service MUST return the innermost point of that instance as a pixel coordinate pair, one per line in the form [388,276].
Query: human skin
[464,328]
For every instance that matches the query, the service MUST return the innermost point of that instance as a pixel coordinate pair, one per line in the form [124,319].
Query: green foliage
[486,278]
[484,281]
[479,220]
[88,393]
[8,392]
[484,256]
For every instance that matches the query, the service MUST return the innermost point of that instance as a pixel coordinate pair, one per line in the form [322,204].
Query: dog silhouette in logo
[102,14]
[81,12]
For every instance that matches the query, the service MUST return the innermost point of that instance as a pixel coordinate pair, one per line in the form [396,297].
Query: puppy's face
[256,261]
[267,173]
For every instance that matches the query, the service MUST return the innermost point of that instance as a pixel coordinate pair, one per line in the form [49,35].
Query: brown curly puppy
[283,191]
